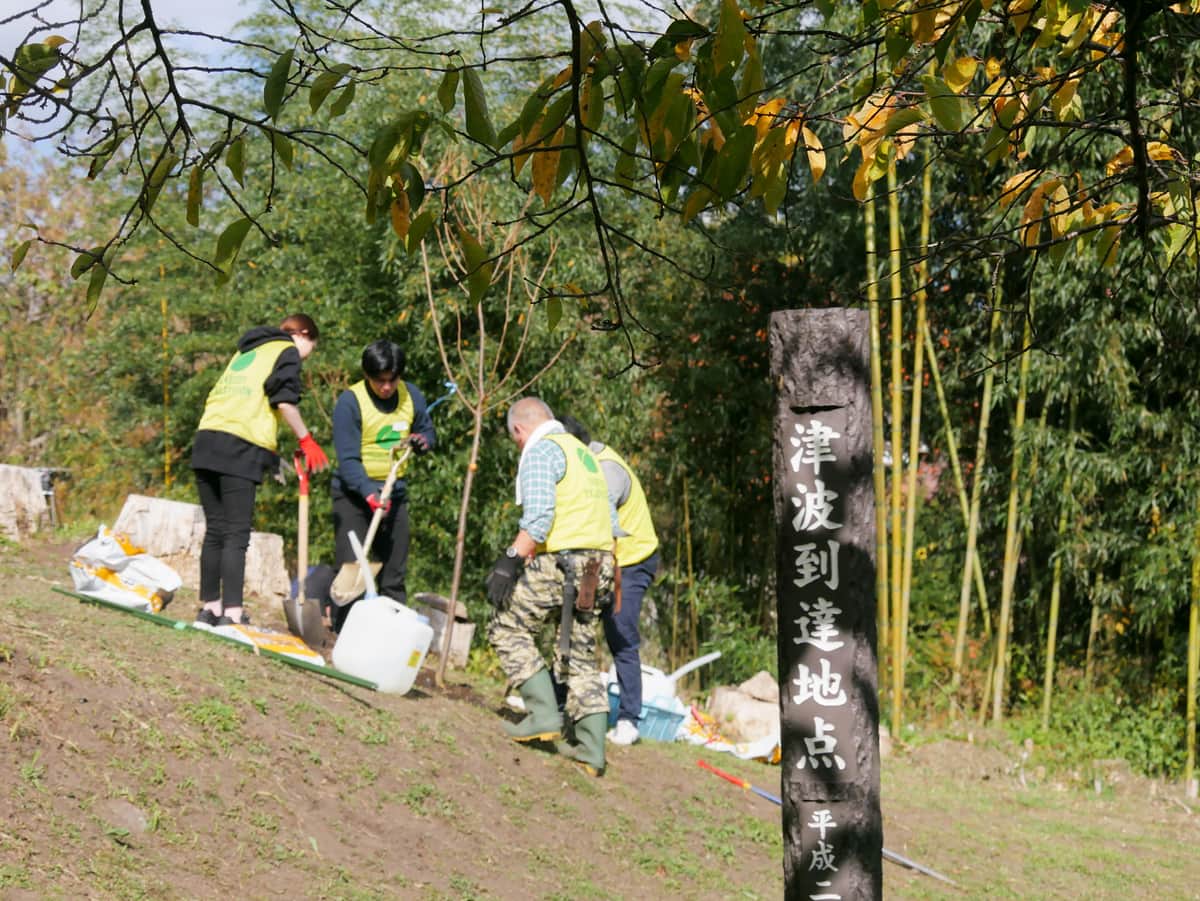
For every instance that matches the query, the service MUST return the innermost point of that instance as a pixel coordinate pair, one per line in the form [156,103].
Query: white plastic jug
[383,641]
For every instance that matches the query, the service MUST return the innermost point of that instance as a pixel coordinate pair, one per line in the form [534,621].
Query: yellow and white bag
[110,567]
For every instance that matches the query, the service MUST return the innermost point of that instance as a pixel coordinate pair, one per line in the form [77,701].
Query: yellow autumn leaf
[958,74]
[1015,185]
[1060,101]
[1060,206]
[1123,158]
[764,114]
[1020,12]
[816,153]
[992,68]
[545,170]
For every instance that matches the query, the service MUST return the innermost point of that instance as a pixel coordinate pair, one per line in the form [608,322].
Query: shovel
[350,583]
[303,616]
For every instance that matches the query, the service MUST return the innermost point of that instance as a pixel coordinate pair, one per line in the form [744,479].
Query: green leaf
[448,89]
[18,255]
[479,269]
[626,167]
[733,162]
[324,83]
[156,179]
[902,119]
[276,84]
[414,185]
[479,122]
[284,148]
[343,101]
[553,311]
[85,261]
[417,230]
[532,108]
[730,42]
[195,195]
[229,244]
[947,107]
[103,155]
[99,275]
[825,7]
[898,44]
[235,159]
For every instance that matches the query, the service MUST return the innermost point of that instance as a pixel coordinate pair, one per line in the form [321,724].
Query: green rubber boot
[588,750]
[543,722]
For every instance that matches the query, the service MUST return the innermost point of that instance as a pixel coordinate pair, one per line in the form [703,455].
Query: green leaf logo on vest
[388,436]
[588,461]
[241,361]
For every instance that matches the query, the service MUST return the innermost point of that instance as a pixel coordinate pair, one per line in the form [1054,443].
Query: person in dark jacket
[236,444]
[375,416]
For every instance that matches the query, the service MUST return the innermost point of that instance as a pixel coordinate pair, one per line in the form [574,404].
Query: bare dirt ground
[142,762]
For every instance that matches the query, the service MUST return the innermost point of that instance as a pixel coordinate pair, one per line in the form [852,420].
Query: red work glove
[314,457]
[374,503]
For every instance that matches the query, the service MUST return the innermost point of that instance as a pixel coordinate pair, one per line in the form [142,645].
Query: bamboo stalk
[691,580]
[676,657]
[1056,579]
[1009,578]
[971,558]
[955,463]
[1193,665]
[914,439]
[877,446]
[896,290]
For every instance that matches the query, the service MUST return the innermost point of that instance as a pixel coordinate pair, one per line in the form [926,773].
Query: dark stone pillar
[825,528]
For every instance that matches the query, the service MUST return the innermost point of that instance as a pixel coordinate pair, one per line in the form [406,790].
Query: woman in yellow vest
[371,417]
[637,557]
[236,444]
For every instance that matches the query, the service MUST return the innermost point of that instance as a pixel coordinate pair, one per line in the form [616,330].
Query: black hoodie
[230,455]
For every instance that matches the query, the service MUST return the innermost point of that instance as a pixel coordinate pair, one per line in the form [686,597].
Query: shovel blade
[304,621]
[349,585]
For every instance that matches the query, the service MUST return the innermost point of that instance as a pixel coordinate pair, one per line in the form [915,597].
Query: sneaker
[205,619]
[625,732]
[226,621]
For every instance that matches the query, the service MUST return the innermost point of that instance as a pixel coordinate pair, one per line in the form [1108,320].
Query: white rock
[23,508]
[743,718]
[762,687]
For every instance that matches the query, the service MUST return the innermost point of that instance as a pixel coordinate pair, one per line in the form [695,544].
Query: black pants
[228,503]
[390,546]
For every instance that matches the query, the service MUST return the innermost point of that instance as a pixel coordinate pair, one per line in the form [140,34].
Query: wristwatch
[511,552]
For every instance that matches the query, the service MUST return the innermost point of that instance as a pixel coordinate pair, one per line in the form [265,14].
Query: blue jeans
[621,632]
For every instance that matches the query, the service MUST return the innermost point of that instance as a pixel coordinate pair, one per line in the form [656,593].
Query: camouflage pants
[538,595]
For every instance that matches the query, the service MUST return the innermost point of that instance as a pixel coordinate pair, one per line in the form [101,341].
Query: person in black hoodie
[235,446]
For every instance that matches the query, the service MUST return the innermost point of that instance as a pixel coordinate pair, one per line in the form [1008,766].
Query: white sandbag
[113,569]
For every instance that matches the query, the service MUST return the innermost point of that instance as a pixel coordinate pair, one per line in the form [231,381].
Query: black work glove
[501,580]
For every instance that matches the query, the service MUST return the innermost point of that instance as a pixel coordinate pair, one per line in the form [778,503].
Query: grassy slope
[142,762]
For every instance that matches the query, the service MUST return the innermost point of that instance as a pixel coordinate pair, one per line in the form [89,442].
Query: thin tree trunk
[877,445]
[955,463]
[972,557]
[914,438]
[1193,669]
[1056,579]
[1089,665]
[896,289]
[676,658]
[693,619]
[1008,581]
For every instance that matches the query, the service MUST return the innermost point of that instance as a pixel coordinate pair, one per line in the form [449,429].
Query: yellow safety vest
[581,520]
[382,431]
[633,516]
[238,402]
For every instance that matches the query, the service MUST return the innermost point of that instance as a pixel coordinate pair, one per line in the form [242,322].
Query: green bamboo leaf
[343,101]
[479,121]
[283,147]
[448,89]
[324,83]
[235,159]
[553,311]
[276,84]
[195,195]
[18,255]
[229,244]
[418,229]
[479,269]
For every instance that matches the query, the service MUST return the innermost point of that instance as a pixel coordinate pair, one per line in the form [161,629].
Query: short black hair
[576,428]
[383,356]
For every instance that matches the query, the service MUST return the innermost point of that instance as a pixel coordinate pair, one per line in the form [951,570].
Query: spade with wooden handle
[349,584]
[303,615]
